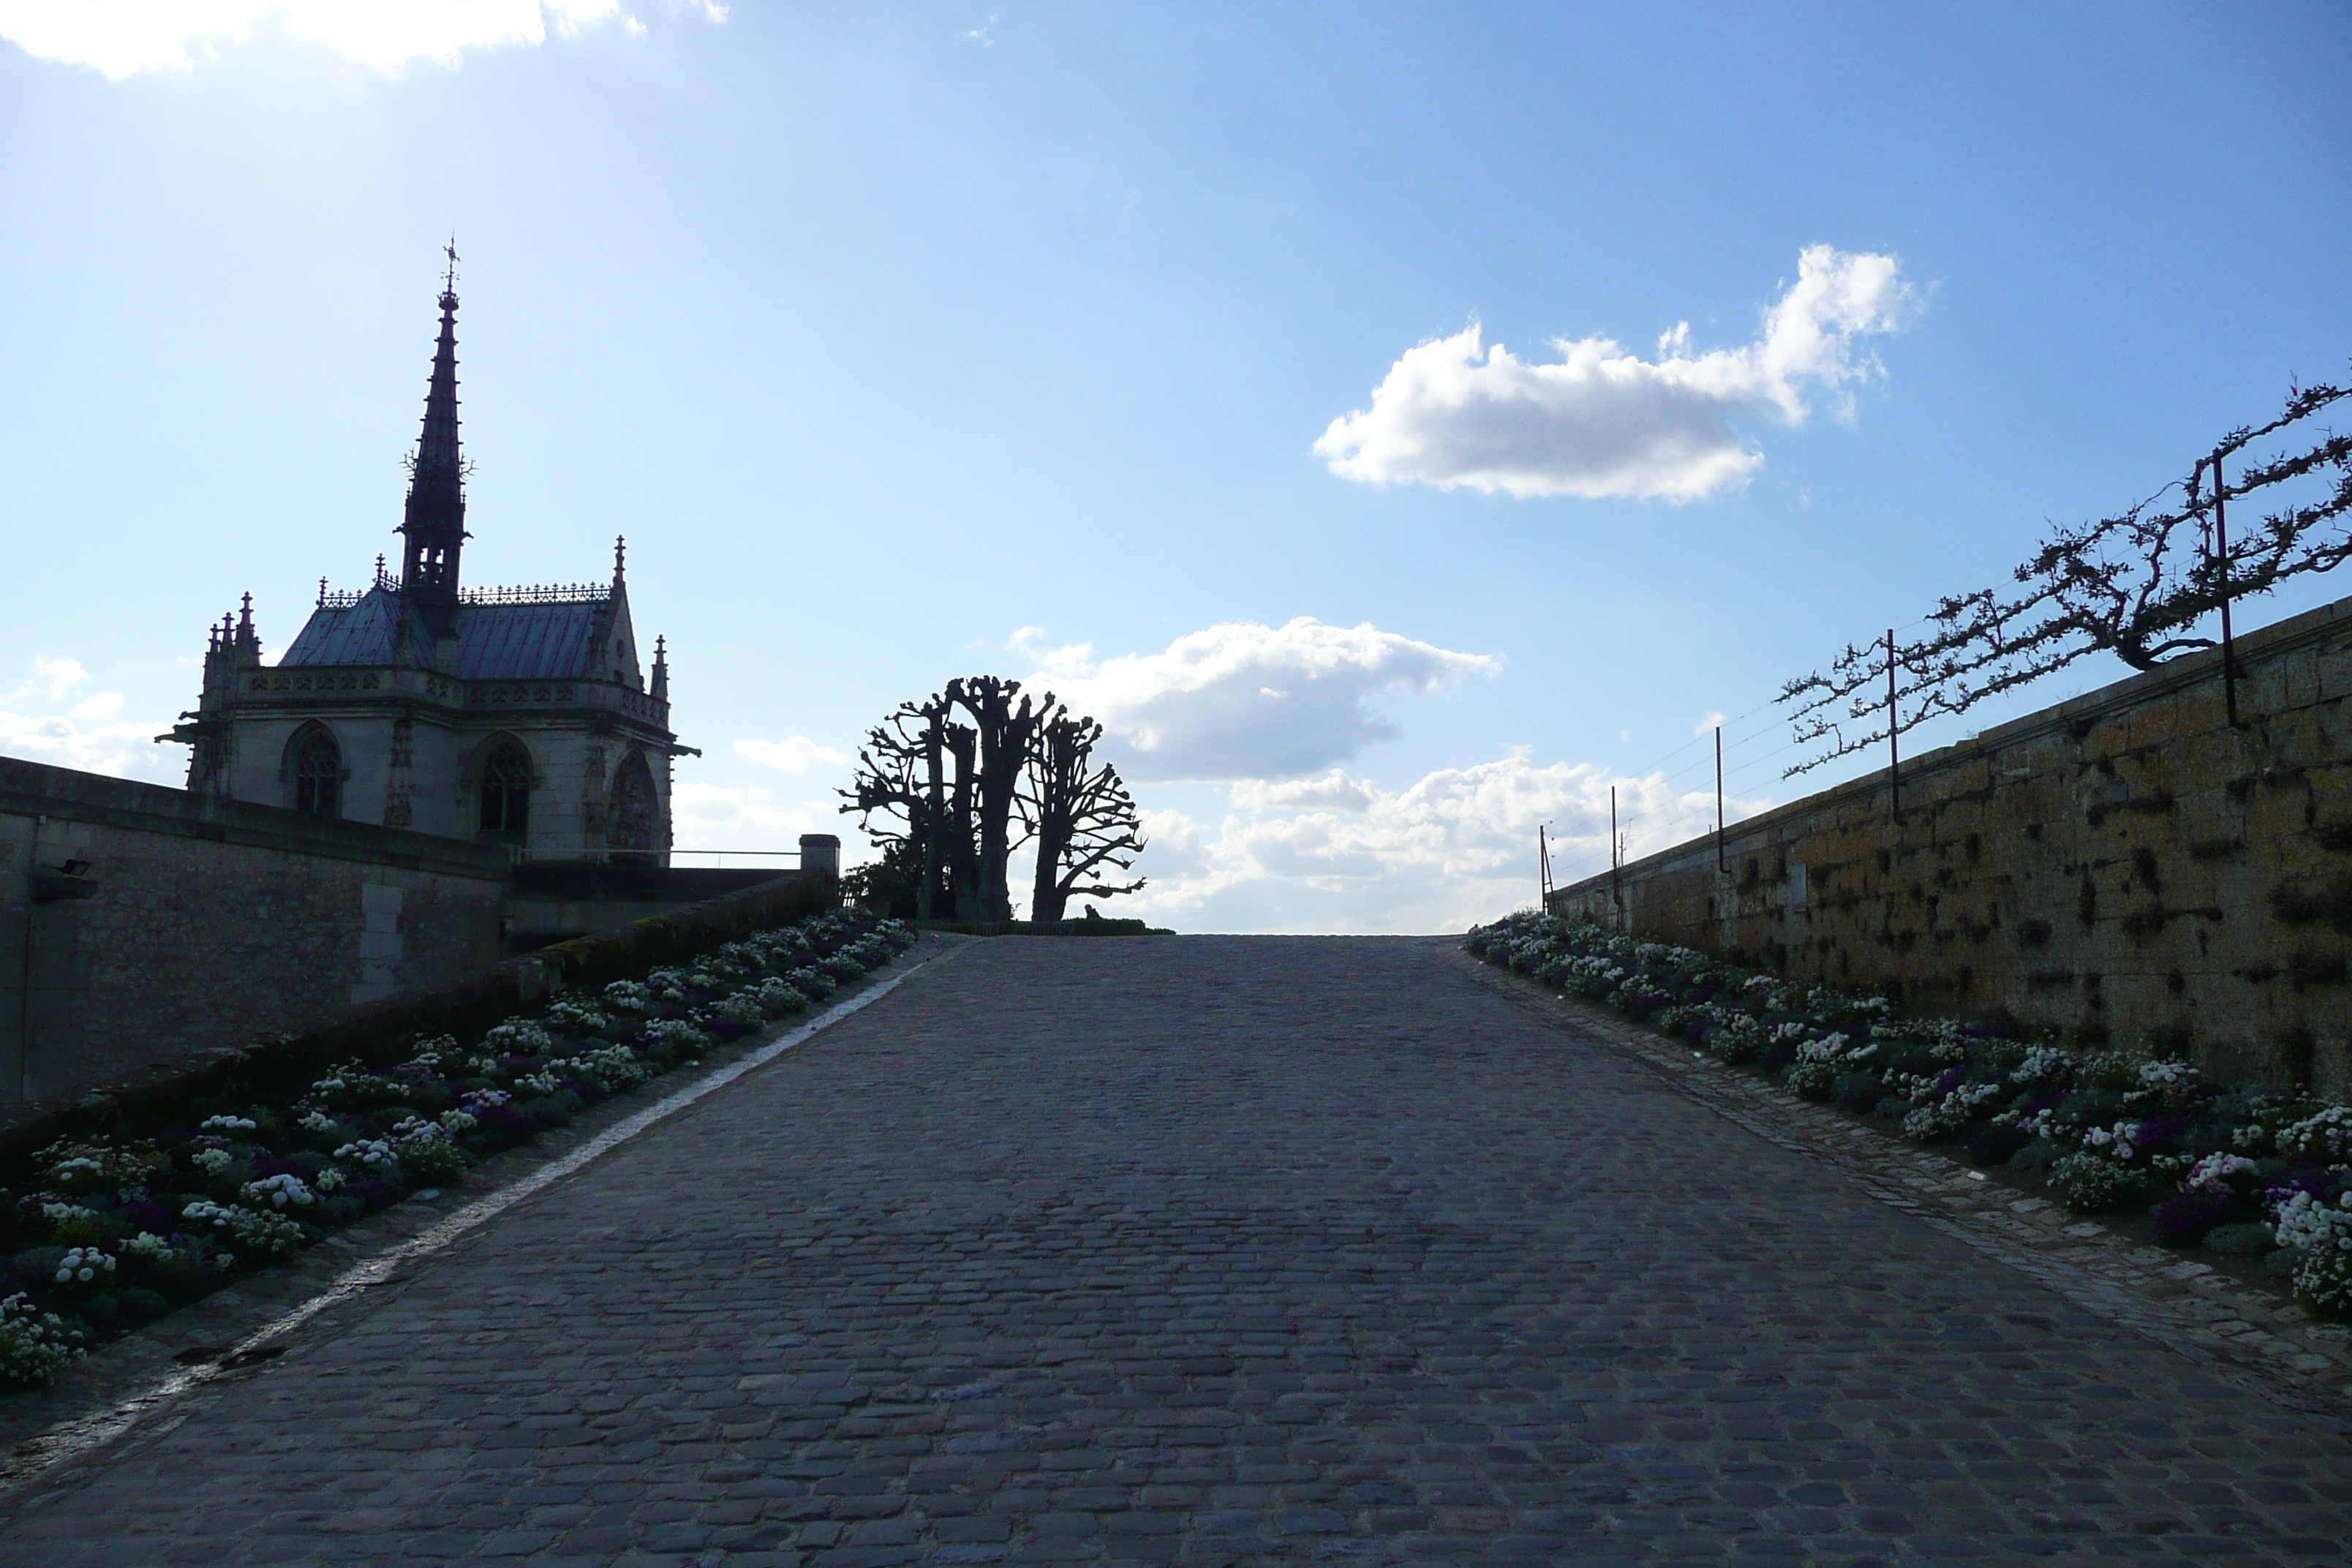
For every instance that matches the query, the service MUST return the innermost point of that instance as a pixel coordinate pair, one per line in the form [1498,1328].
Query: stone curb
[2273,1345]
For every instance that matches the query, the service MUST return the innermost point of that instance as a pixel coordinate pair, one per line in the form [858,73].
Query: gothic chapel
[513,716]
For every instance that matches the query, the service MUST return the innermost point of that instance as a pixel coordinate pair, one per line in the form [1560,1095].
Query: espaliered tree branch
[2135,585]
[949,802]
[1081,816]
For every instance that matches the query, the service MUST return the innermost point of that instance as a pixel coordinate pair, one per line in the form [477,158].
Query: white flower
[1949,1113]
[2043,1062]
[578,1016]
[212,1161]
[65,1213]
[83,1264]
[317,1121]
[279,1190]
[2305,1223]
[2120,1139]
[373,1152]
[33,1345]
[2328,1133]
[229,1124]
[519,1038]
[2212,1173]
[263,1233]
[150,1245]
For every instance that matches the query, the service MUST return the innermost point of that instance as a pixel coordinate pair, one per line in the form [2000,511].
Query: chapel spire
[434,524]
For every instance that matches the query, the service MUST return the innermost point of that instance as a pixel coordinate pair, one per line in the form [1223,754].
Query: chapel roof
[517,641]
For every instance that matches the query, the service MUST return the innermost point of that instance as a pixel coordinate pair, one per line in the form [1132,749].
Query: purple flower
[2185,1217]
[2321,1182]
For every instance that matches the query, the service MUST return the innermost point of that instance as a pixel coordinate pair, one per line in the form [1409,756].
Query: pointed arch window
[506,793]
[319,775]
[636,808]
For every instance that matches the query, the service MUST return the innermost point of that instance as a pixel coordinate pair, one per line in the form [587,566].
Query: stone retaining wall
[141,925]
[2125,864]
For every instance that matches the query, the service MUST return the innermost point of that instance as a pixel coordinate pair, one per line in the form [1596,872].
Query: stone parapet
[2125,865]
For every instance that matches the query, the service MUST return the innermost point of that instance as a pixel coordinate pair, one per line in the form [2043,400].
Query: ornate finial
[620,555]
[450,283]
[323,585]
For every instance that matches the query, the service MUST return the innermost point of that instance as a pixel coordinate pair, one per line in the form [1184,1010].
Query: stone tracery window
[319,775]
[636,808]
[505,792]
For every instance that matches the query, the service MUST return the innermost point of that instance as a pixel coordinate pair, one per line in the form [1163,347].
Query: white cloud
[795,756]
[53,680]
[1334,791]
[1706,723]
[708,816]
[1456,848]
[35,724]
[1248,701]
[1606,423]
[122,39]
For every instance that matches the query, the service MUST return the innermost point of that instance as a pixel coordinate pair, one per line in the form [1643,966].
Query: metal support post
[1893,760]
[2222,556]
[1718,798]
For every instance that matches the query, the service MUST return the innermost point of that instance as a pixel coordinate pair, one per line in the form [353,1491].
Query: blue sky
[910,341]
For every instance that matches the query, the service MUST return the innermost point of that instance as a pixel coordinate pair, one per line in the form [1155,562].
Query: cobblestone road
[1207,1250]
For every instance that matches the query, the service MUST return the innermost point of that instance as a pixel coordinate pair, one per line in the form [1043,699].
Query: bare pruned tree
[2135,585]
[1080,817]
[1007,734]
[907,801]
[956,799]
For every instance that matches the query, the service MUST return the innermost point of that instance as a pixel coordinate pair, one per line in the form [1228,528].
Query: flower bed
[109,1232]
[2242,1169]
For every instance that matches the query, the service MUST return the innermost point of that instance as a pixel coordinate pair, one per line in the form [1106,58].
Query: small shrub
[2251,1239]
[1858,1093]
[35,1346]
[2093,1183]
[1991,1143]
[2320,1233]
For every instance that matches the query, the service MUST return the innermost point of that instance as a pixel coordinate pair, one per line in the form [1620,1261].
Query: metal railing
[527,594]
[719,861]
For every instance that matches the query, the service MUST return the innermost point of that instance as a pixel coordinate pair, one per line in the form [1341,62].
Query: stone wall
[2125,865]
[140,925]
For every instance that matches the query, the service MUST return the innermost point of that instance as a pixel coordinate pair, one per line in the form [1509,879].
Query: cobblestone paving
[1230,1250]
